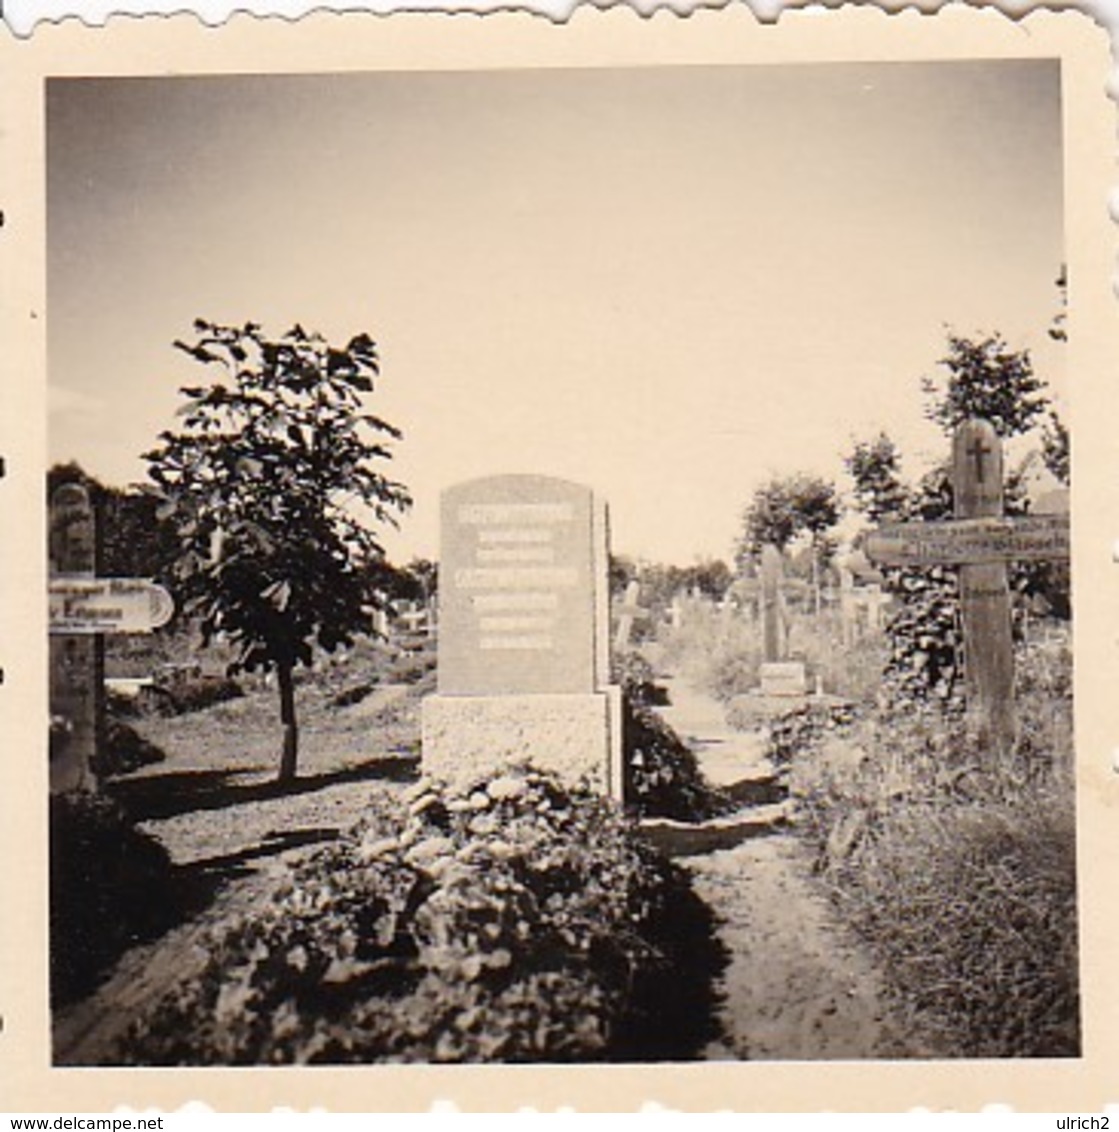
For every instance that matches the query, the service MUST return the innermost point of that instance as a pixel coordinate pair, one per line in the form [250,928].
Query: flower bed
[515,921]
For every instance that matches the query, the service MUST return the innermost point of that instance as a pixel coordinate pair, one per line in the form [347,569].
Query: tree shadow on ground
[675,1013]
[160,796]
[99,913]
[101,908]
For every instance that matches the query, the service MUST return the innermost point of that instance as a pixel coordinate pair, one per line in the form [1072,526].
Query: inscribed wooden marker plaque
[77,662]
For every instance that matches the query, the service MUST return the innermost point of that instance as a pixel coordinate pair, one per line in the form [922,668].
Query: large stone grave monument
[523,634]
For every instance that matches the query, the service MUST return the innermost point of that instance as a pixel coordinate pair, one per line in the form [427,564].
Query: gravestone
[979,542]
[777,675]
[629,612]
[523,671]
[82,608]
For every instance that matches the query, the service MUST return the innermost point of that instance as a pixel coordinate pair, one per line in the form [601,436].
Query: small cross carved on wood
[977,450]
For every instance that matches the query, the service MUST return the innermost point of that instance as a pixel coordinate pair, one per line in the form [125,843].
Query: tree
[786,507]
[273,489]
[875,467]
[133,541]
[985,379]
[711,577]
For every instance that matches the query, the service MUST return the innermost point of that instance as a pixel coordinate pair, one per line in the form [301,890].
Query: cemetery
[562,807]
[656,646]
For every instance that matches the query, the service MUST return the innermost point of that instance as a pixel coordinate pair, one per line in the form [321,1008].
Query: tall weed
[958,864]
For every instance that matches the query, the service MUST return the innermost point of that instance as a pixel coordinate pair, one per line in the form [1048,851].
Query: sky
[667,283]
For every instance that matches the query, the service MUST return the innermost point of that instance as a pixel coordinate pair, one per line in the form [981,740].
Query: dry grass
[959,867]
[720,651]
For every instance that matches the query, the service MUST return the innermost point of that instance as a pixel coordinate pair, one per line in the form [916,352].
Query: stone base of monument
[783,678]
[576,736]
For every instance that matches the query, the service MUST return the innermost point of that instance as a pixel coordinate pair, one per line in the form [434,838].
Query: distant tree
[987,379]
[621,572]
[783,509]
[426,573]
[134,542]
[272,486]
[875,467]
[711,577]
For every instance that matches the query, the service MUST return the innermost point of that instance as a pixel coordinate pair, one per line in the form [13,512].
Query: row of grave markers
[523,650]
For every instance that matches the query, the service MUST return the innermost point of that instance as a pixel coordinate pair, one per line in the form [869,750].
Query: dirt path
[797,986]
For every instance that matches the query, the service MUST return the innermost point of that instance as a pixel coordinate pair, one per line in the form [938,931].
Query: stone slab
[785,678]
[687,839]
[518,601]
[576,736]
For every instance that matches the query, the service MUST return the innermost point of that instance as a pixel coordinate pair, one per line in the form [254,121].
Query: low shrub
[803,725]
[716,650]
[353,693]
[108,883]
[1043,699]
[662,774]
[637,679]
[124,749]
[513,921]
[191,693]
[721,652]
[412,668]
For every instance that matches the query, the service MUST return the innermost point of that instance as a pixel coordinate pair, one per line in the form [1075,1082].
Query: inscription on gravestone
[517,600]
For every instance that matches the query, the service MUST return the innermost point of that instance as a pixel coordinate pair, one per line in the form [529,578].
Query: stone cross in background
[980,541]
[629,612]
[775,637]
[777,675]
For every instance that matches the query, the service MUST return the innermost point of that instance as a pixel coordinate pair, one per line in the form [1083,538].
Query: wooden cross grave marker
[83,607]
[979,542]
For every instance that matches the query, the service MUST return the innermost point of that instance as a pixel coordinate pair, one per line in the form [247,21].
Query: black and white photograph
[562,564]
